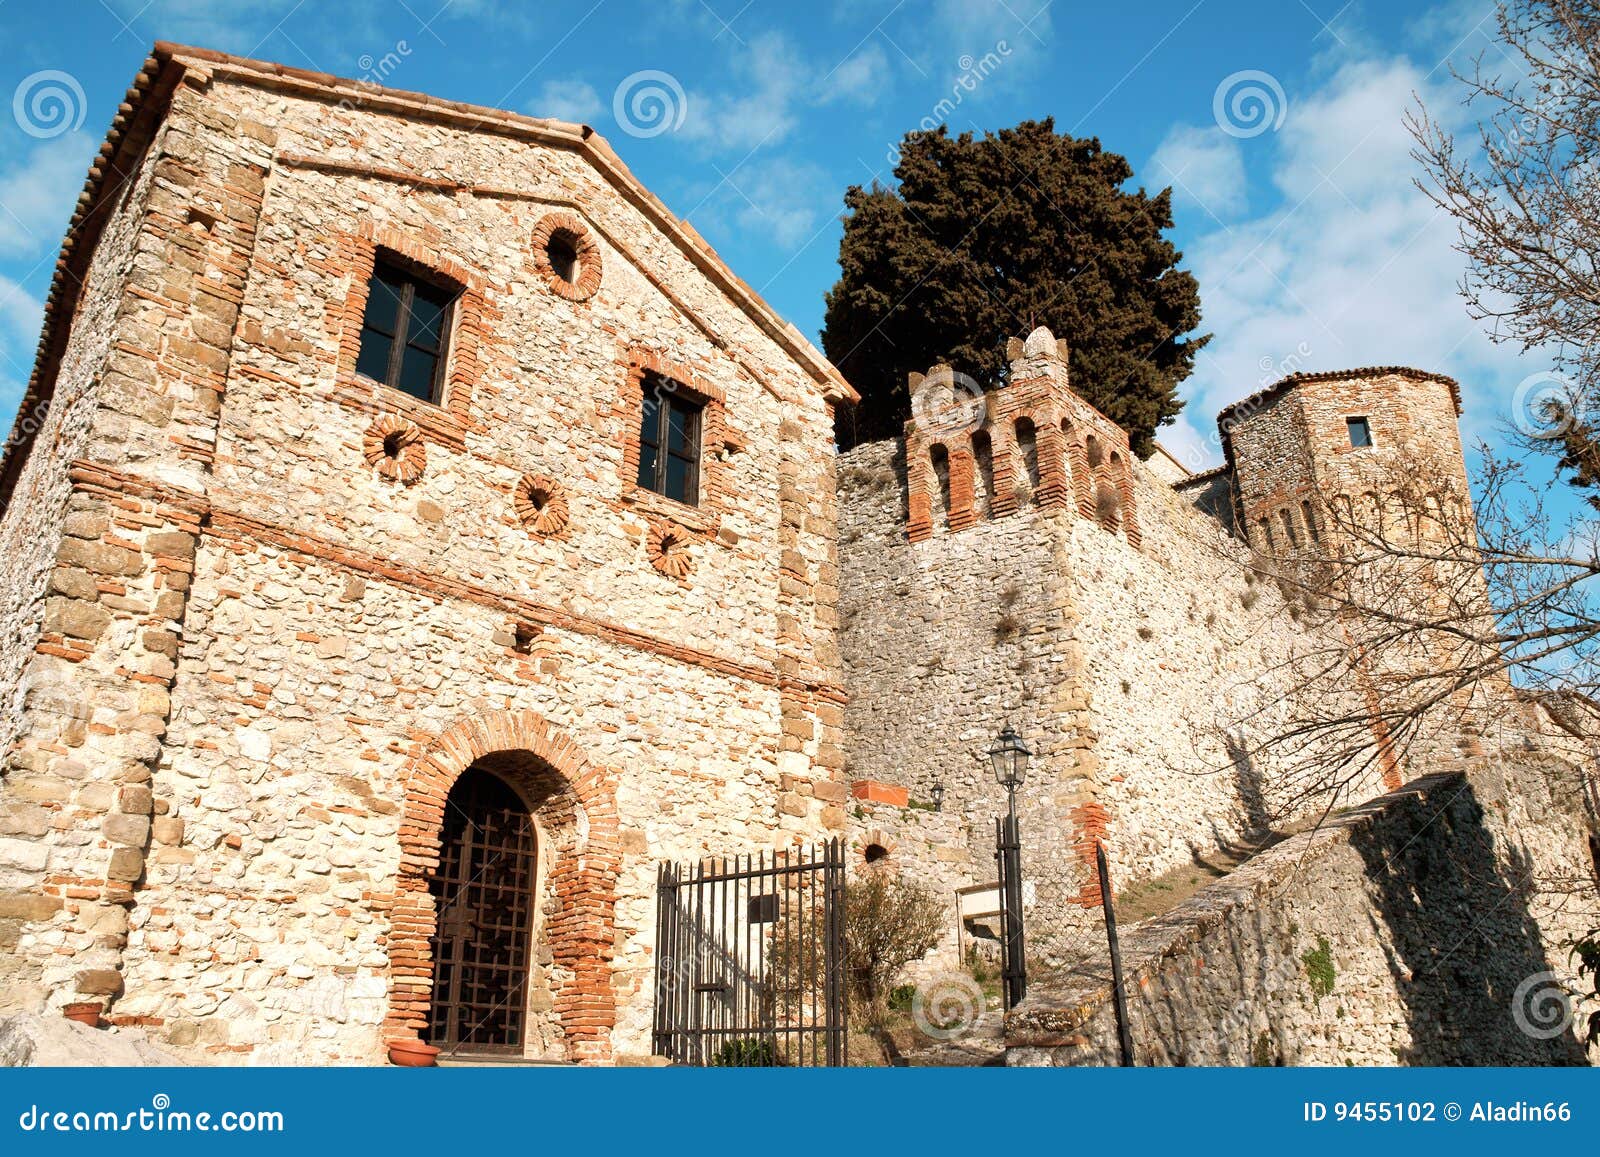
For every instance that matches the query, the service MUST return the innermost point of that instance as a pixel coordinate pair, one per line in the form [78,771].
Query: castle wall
[315,612]
[944,640]
[1144,672]
[1399,934]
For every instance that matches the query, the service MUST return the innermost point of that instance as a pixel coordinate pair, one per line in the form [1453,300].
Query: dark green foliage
[1319,968]
[986,238]
[1588,953]
[746,1053]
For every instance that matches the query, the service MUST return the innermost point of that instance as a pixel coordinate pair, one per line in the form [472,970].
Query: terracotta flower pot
[412,1054]
[84,1012]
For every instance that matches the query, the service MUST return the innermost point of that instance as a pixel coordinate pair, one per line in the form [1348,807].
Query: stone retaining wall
[1416,929]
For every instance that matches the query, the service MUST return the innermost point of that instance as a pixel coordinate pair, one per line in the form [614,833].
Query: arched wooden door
[483,894]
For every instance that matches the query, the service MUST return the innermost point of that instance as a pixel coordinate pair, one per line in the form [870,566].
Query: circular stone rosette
[393,446]
[541,505]
[669,552]
[565,232]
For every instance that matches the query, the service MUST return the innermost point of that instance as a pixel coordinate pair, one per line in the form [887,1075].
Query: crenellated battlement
[974,455]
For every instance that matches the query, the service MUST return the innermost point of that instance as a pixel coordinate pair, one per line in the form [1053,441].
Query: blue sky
[1277,124]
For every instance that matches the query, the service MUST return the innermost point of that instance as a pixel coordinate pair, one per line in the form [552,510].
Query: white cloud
[37,195]
[860,77]
[568,100]
[773,86]
[1354,267]
[21,316]
[973,28]
[1205,168]
[760,108]
[777,199]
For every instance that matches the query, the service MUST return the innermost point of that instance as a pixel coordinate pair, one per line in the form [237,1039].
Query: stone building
[416,536]
[403,501]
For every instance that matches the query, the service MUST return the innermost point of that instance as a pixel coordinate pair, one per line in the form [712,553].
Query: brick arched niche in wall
[573,802]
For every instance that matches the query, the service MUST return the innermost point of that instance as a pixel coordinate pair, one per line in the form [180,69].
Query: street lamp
[1009,760]
[937,792]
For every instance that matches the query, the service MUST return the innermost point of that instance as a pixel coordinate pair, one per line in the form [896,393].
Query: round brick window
[393,446]
[541,505]
[567,257]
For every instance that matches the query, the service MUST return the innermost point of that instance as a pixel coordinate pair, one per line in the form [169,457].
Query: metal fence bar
[1118,991]
[750,960]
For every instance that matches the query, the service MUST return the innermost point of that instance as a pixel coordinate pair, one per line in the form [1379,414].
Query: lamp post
[1008,759]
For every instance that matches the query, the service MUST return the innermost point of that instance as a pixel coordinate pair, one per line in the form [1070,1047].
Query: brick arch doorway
[489,946]
[568,1005]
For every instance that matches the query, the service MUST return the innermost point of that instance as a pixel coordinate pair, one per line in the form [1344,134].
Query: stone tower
[1314,451]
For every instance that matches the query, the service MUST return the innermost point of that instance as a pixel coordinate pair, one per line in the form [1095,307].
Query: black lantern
[937,792]
[1009,759]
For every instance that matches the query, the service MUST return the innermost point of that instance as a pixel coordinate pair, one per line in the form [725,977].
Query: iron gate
[483,893]
[1013,949]
[750,959]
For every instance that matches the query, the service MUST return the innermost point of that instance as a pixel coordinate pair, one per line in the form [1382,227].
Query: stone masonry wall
[315,601]
[1127,665]
[1400,933]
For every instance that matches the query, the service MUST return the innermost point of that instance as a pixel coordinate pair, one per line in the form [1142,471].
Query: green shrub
[746,1053]
[1319,968]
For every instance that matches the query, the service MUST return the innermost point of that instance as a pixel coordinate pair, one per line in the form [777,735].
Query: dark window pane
[649,420]
[647,466]
[679,472]
[383,300]
[1360,431]
[373,359]
[417,368]
[563,258]
[427,321]
[680,428]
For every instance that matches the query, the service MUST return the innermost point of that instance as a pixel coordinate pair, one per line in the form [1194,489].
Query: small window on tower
[1360,432]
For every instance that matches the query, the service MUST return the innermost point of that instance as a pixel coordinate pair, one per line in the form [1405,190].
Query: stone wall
[1143,670]
[311,602]
[1416,929]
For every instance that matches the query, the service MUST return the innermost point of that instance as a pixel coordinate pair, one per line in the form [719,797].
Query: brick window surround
[567,229]
[582,879]
[448,422]
[717,441]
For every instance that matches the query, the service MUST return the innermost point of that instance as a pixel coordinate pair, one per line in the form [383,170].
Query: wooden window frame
[667,391]
[411,275]
[1351,423]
